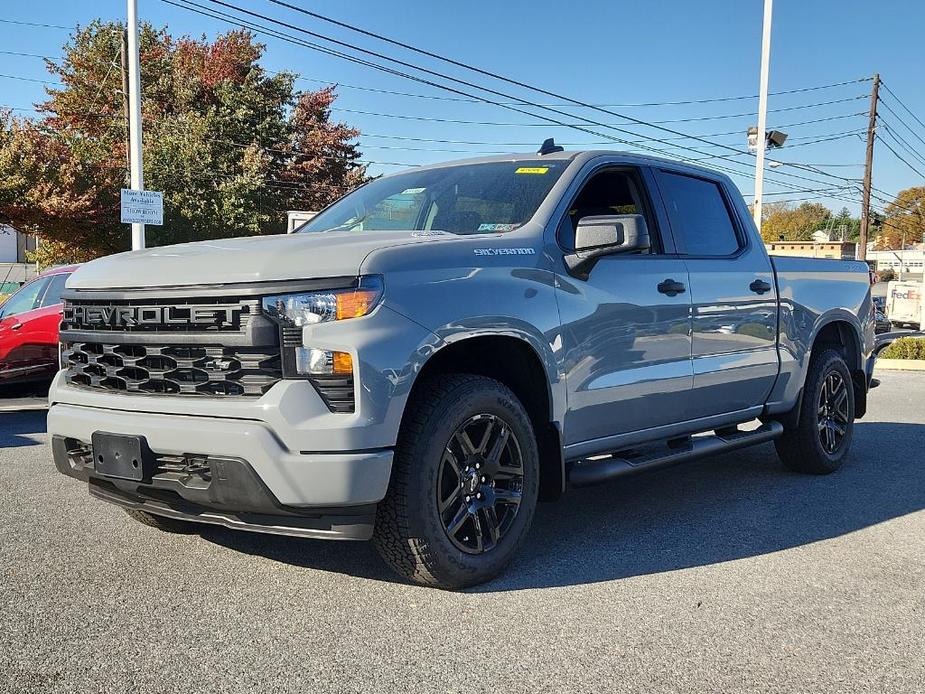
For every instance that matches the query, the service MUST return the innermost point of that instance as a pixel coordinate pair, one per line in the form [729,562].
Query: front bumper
[216,491]
[302,479]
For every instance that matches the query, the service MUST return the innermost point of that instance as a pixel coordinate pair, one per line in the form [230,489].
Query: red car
[29,322]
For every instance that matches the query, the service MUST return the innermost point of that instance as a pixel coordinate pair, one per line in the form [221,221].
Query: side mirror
[602,235]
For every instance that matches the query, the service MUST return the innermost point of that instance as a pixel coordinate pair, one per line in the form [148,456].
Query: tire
[815,445]
[456,547]
[168,525]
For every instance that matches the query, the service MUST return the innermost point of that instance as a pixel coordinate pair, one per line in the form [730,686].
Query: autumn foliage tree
[230,145]
[904,219]
[783,221]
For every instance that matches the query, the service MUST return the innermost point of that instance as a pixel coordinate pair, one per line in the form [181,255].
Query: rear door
[626,342]
[733,295]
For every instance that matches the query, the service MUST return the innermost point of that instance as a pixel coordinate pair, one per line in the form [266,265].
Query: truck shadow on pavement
[728,507]
[22,429]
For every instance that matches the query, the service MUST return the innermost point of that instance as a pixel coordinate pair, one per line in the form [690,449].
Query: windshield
[464,199]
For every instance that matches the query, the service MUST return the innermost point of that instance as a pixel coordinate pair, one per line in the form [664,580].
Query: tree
[231,146]
[848,224]
[782,220]
[904,218]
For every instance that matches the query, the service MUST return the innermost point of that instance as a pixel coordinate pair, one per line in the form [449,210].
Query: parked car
[29,321]
[882,324]
[440,349]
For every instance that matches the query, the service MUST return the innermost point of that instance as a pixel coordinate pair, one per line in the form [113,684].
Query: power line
[403,116]
[437,97]
[236,20]
[900,157]
[28,55]
[30,79]
[900,120]
[36,24]
[901,141]
[465,66]
[900,102]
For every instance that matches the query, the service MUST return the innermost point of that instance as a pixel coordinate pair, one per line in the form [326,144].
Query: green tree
[784,221]
[845,221]
[230,145]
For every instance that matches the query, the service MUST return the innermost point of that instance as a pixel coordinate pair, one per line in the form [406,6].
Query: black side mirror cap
[601,235]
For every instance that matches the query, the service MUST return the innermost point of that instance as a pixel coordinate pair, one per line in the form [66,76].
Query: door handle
[16,326]
[759,287]
[671,287]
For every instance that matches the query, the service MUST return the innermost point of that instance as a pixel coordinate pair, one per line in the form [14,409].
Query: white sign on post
[142,207]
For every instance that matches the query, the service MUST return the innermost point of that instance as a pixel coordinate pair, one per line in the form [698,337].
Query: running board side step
[584,473]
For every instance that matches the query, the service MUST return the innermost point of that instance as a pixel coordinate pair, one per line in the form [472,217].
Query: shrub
[905,348]
[887,275]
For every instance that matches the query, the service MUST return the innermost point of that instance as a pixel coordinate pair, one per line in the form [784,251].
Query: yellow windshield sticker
[532,170]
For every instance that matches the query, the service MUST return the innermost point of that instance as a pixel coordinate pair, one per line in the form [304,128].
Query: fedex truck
[904,304]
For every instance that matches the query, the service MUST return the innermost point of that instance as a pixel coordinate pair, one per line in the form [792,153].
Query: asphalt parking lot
[727,575]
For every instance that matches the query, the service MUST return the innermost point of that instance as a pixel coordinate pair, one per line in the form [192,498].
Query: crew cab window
[699,215]
[55,288]
[608,192]
[25,299]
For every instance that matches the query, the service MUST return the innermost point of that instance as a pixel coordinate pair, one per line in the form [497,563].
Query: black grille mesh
[172,369]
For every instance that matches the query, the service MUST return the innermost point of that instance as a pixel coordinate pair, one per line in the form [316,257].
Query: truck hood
[248,259]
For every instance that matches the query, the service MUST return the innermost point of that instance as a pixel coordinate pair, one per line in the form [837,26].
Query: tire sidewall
[828,363]
[478,397]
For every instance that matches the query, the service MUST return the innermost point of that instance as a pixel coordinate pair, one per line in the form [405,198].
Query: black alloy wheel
[832,414]
[480,483]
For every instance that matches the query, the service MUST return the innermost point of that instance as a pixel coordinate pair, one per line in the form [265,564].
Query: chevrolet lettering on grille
[132,316]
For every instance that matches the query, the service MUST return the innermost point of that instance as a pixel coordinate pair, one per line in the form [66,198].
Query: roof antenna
[549,146]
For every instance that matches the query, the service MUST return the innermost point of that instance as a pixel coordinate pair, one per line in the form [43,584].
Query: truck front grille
[172,369]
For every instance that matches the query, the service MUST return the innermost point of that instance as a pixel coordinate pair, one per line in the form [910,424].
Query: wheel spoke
[451,499]
[449,458]
[468,448]
[829,439]
[507,496]
[841,398]
[490,524]
[458,521]
[479,538]
[839,429]
[493,457]
[486,437]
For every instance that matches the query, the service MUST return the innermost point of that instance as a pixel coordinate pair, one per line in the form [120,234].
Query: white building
[909,260]
[13,245]
[14,270]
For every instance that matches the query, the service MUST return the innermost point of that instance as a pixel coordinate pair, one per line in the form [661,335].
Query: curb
[900,364]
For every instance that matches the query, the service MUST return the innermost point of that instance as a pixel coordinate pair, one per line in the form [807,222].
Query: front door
[625,342]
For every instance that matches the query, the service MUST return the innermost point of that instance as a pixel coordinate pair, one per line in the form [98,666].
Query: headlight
[308,308]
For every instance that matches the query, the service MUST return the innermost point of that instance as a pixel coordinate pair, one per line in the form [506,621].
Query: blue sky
[616,52]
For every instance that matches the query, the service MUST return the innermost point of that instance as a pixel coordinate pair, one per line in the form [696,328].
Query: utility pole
[134,113]
[762,110]
[868,168]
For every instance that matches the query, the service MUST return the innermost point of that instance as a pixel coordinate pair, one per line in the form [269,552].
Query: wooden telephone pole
[868,168]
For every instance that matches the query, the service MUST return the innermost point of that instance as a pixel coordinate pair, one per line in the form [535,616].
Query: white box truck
[904,304]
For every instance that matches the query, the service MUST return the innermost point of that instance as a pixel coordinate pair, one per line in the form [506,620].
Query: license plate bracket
[122,456]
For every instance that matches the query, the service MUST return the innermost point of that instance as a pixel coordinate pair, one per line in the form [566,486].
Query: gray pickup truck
[442,348]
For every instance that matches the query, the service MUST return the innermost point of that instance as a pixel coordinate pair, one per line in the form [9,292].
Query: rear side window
[699,215]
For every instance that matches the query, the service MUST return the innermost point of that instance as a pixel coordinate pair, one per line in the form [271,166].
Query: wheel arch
[515,362]
[841,333]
